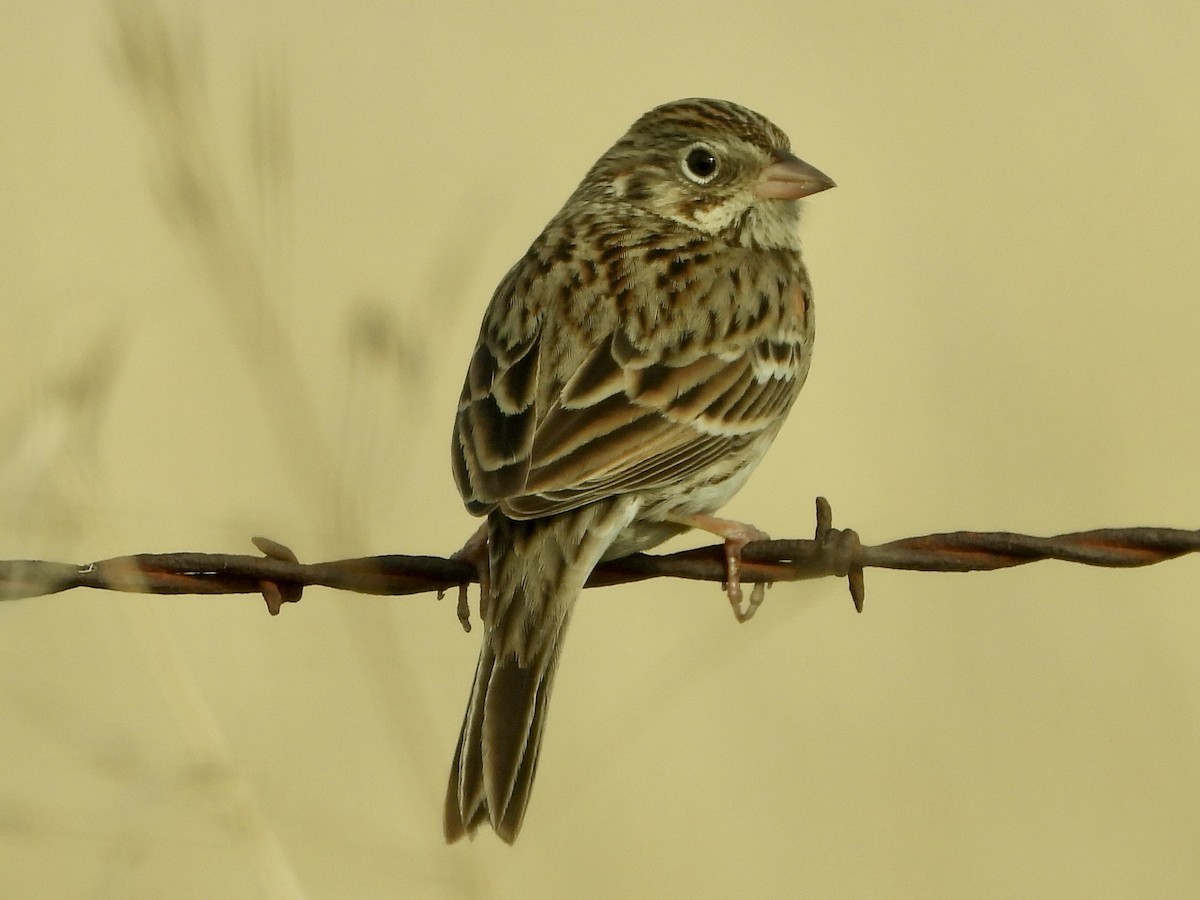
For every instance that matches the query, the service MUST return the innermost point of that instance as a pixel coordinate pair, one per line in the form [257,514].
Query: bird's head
[710,165]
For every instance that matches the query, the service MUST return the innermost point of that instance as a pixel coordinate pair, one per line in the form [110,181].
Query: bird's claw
[735,540]
[474,551]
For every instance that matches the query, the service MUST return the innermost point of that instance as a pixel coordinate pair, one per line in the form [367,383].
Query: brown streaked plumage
[631,370]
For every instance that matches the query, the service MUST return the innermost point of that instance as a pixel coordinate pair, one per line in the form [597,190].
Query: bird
[631,370]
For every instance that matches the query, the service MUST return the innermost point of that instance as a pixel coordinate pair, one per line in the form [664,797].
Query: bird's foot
[474,551]
[736,535]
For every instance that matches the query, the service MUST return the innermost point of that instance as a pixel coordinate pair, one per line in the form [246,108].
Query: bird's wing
[628,418]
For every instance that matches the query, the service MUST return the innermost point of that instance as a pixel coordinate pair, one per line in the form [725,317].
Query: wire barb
[280,578]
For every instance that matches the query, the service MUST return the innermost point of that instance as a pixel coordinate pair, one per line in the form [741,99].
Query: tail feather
[512,731]
[538,569]
[465,807]
[491,777]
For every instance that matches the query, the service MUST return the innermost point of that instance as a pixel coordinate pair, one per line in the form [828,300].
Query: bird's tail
[538,569]
[492,774]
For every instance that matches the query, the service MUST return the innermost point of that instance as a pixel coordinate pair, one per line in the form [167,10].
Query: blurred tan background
[245,249]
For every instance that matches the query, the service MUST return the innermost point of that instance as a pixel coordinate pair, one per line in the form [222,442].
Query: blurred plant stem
[161,68]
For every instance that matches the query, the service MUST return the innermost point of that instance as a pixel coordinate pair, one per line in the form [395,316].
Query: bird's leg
[474,551]
[736,535]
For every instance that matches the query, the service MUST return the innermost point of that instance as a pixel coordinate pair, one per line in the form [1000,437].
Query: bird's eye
[700,164]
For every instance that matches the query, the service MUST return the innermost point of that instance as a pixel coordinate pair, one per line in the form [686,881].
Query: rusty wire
[280,578]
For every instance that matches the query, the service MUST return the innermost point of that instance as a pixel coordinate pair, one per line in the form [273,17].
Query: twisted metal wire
[280,578]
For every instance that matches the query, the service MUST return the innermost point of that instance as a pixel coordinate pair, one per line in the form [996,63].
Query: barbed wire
[280,577]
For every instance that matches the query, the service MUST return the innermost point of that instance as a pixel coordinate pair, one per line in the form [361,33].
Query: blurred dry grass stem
[49,476]
[161,67]
[215,772]
[229,203]
[235,244]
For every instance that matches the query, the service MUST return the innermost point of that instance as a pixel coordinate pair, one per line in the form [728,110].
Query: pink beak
[789,178]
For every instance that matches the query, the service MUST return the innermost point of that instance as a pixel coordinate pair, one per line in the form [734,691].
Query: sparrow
[631,371]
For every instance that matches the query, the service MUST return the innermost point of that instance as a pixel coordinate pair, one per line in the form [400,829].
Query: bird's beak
[788,178]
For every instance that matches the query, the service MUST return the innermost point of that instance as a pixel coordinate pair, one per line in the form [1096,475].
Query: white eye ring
[700,163]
